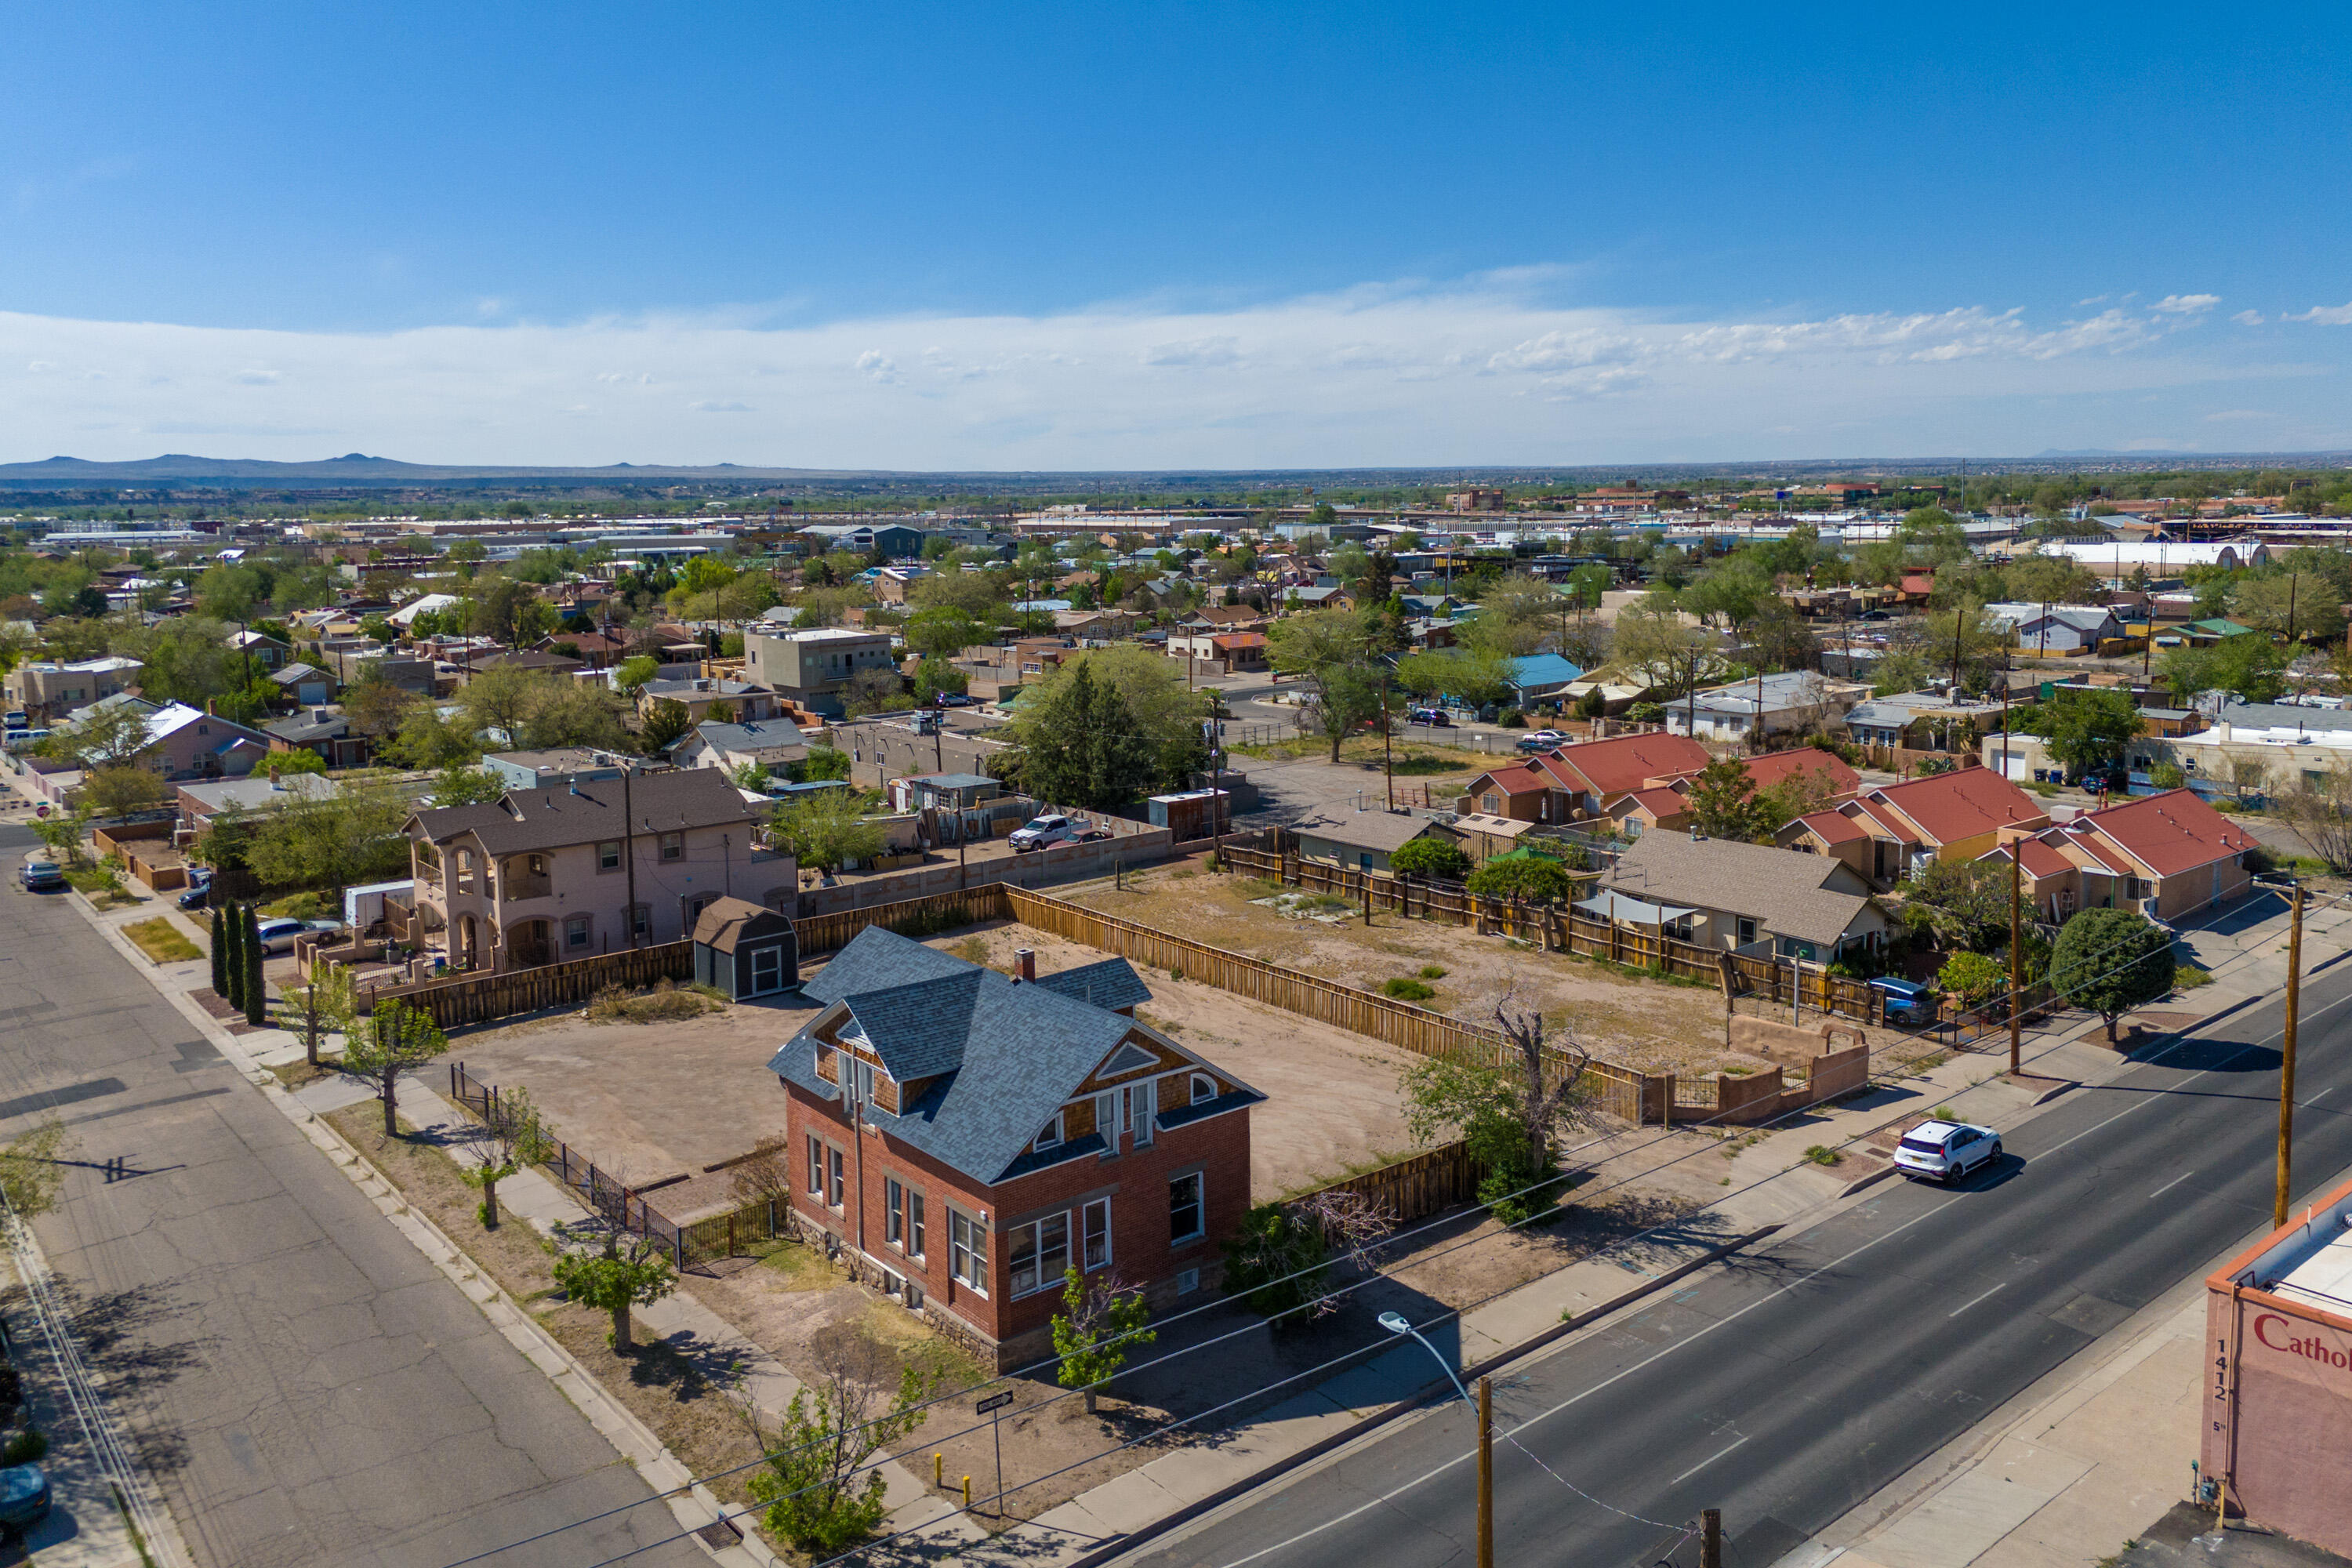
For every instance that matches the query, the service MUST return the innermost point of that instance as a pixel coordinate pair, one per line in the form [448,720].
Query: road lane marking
[1986,1296]
[1430,1475]
[1702,1465]
[2170,1185]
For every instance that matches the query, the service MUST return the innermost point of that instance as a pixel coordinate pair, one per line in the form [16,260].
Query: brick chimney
[1026,958]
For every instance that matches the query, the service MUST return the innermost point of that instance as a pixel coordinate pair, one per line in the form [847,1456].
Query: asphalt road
[1789,1386]
[307,1388]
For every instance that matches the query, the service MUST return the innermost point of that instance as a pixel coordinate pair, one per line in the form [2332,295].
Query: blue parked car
[1907,1000]
[24,1498]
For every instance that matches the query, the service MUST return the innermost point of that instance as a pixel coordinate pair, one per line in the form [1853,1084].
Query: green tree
[234,966]
[330,841]
[943,631]
[220,952]
[625,1271]
[828,830]
[1081,746]
[321,1008]
[934,676]
[256,997]
[1659,650]
[511,1136]
[1329,654]
[878,688]
[2111,961]
[122,788]
[393,1039]
[2088,731]
[460,785]
[817,1487]
[1508,1112]
[665,724]
[1963,904]
[2296,604]
[1277,1261]
[1536,878]
[635,670]
[1723,804]
[1430,857]
[104,737]
[1100,1322]
[1973,977]
[2249,666]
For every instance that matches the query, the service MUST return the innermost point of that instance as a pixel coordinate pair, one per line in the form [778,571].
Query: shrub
[1823,1154]
[1513,719]
[1430,857]
[1433,971]
[1535,878]
[2189,977]
[1647,713]
[1406,990]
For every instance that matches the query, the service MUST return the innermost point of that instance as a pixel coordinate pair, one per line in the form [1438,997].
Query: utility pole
[2016,949]
[2286,1063]
[1486,1473]
[1710,1538]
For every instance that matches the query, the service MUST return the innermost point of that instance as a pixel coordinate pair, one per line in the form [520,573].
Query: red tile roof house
[2168,855]
[1945,816]
[1584,780]
[998,1129]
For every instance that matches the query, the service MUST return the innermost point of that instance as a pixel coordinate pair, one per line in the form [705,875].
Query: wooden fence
[479,998]
[933,911]
[1417,1187]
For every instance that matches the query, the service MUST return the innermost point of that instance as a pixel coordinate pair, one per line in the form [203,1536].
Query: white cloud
[2248,318]
[1468,372]
[2325,315]
[2186,304]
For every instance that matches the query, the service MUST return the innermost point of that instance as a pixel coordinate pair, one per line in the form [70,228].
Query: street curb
[1859,1182]
[460,1270]
[1329,1442]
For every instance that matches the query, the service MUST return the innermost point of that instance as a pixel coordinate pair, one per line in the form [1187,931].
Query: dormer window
[1052,1136]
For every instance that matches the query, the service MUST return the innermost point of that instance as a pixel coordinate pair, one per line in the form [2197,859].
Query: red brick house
[963,1137]
[2168,856]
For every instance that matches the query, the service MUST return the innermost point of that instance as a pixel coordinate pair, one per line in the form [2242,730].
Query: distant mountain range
[357,470]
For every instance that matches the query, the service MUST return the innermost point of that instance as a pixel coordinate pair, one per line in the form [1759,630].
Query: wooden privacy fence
[1417,1187]
[478,998]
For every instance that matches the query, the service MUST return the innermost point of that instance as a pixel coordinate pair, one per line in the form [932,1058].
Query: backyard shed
[745,951]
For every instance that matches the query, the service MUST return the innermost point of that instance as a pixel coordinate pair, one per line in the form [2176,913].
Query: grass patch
[305,906]
[803,1266]
[1422,766]
[665,1003]
[161,940]
[1405,989]
[2189,977]
[102,885]
[1433,971]
[301,1074]
[1823,1154]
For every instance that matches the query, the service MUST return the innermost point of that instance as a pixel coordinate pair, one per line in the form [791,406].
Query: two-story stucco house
[810,670]
[597,865]
[971,1136]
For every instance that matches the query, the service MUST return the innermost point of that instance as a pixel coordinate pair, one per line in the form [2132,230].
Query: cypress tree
[220,953]
[257,992]
[232,989]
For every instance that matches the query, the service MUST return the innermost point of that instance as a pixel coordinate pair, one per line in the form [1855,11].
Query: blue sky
[1178,234]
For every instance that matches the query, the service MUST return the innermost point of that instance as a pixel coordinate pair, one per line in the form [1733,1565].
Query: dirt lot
[1642,1023]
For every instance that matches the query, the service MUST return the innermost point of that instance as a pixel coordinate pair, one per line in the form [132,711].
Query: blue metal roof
[1543,669]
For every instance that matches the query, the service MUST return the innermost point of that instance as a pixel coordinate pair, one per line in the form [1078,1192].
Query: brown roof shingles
[591,812]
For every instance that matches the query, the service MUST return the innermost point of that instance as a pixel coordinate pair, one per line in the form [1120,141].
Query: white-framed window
[1188,1210]
[1052,1136]
[1203,1088]
[861,1079]
[914,1226]
[1127,1109]
[967,1251]
[834,1182]
[608,855]
[1094,1235]
[894,1217]
[673,846]
[816,1167]
[1038,1253]
[577,930]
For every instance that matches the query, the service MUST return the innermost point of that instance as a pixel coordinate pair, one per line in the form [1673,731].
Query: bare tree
[2321,813]
[1552,1087]
[765,1175]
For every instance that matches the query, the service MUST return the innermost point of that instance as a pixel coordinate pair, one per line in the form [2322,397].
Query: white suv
[1946,1151]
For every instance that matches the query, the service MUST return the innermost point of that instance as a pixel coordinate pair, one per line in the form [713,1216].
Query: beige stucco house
[597,867]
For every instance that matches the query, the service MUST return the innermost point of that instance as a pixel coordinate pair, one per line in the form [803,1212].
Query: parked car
[18,739]
[1946,1151]
[277,934]
[1435,718]
[1090,835]
[15,719]
[1040,831]
[1907,1000]
[199,889]
[954,700]
[1542,740]
[41,874]
[24,1498]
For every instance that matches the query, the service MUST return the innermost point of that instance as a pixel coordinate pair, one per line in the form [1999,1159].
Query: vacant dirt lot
[1638,1022]
[651,1101]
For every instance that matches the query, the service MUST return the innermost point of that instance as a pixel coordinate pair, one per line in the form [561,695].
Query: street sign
[995,1402]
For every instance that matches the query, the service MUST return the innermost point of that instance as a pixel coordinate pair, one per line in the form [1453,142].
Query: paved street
[1790,1386]
[306,1387]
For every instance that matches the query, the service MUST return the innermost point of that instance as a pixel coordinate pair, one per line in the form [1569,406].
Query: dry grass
[665,1003]
[675,1393]
[161,940]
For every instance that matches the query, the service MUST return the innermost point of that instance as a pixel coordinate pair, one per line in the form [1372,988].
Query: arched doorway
[469,936]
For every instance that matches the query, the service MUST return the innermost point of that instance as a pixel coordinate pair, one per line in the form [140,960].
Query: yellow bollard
[939,1470]
[967,1494]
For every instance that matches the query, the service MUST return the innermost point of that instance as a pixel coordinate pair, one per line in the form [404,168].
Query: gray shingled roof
[1384,830]
[1784,889]
[1002,1056]
[589,812]
[1112,983]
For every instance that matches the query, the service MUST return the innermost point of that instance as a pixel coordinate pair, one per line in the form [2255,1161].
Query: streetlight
[1395,1323]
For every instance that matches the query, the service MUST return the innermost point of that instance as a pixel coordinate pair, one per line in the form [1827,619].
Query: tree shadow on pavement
[115,1332]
